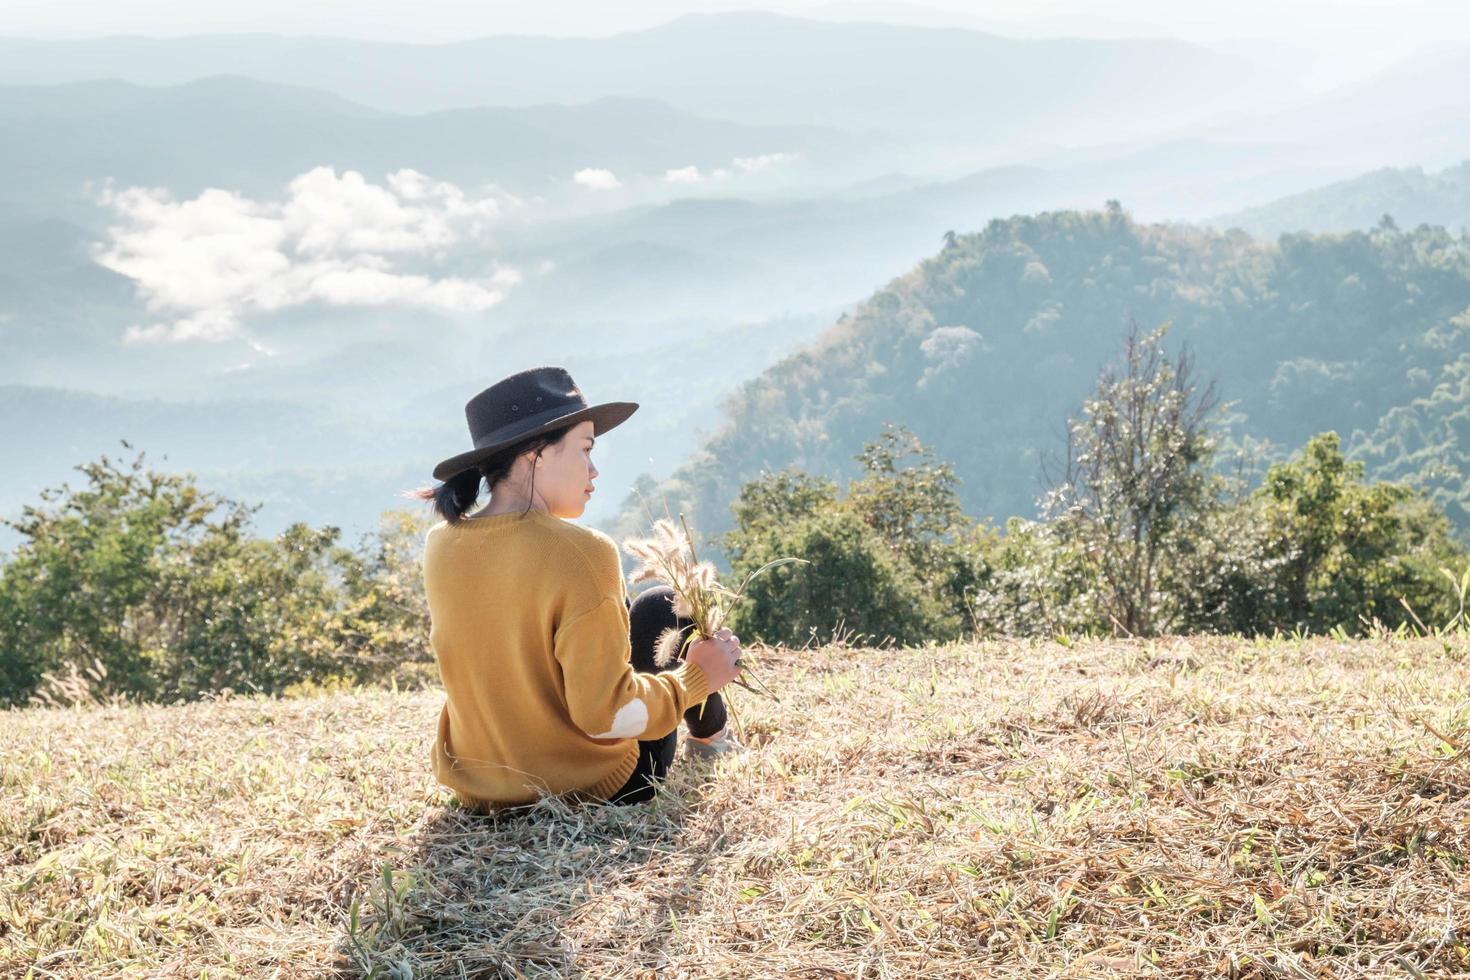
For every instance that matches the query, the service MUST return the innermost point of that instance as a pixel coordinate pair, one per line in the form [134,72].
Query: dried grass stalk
[669,556]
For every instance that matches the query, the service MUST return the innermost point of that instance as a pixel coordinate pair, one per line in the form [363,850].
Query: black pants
[648,616]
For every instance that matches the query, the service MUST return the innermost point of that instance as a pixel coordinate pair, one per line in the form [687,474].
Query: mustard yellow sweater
[530,630]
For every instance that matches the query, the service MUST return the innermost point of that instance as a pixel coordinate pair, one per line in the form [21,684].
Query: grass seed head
[667,650]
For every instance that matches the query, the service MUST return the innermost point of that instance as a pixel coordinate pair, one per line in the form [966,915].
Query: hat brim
[608,415]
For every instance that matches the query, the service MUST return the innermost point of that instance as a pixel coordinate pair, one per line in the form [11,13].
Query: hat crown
[521,402]
[530,403]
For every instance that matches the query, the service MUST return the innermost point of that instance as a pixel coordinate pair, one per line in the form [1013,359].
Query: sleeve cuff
[692,679]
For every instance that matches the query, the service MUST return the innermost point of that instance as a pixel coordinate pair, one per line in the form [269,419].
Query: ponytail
[453,497]
[456,495]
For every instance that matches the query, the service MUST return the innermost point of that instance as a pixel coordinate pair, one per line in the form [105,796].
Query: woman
[530,621]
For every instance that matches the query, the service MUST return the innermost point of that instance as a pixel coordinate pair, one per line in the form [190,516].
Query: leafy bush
[1313,548]
[1035,583]
[156,590]
[383,626]
[1338,548]
[243,613]
[853,586]
[1228,582]
[893,559]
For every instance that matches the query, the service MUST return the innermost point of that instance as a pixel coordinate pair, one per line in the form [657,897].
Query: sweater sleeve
[606,697]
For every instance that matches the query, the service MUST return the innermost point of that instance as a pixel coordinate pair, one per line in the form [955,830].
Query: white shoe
[716,745]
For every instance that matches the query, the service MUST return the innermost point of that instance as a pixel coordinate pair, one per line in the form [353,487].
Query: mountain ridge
[1410,195]
[251,135]
[754,56]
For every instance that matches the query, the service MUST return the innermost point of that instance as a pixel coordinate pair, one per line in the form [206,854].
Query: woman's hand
[718,657]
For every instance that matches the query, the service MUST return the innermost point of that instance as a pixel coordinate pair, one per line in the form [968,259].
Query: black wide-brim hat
[526,405]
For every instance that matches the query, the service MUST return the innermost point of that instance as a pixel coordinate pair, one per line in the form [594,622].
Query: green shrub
[1035,583]
[245,613]
[383,625]
[853,587]
[87,582]
[155,589]
[1226,583]
[903,557]
[909,499]
[1337,549]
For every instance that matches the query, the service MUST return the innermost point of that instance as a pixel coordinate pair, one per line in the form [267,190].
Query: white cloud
[211,324]
[750,165]
[683,175]
[204,265]
[597,180]
[737,167]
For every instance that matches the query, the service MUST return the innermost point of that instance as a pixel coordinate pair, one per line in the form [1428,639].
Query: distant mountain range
[728,258]
[1416,112]
[982,95]
[337,438]
[252,137]
[1408,195]
[941,85]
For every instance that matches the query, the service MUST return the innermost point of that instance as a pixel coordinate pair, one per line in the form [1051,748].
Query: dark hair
[452,498]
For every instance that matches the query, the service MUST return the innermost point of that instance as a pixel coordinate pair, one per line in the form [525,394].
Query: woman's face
[565,474]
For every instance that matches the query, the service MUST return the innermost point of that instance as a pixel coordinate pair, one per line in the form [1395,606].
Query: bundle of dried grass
[670,557]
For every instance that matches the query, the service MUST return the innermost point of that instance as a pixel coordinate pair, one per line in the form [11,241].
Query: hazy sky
[1322,42]
[1358,23]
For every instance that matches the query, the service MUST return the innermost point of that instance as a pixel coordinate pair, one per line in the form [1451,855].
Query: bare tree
[1137,481]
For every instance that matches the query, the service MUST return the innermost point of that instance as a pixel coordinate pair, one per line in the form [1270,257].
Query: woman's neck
[506,506]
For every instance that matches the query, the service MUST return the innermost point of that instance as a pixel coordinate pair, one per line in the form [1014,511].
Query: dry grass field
[1178,807]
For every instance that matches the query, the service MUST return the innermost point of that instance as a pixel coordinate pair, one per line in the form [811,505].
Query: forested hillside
[985,348]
